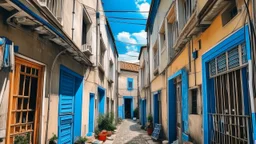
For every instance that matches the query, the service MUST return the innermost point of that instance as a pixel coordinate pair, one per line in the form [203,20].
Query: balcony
[53,7]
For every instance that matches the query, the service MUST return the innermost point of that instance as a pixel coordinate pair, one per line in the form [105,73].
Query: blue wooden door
[66,108]
[156,109]
[91,115]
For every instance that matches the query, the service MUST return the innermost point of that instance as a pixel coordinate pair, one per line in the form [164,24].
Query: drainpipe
[193,50]
[50,92]
[73,18]
[148,41]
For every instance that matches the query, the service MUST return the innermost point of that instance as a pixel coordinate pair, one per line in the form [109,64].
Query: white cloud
[130,56]
[133,38]
[132,50]
[141,37]
[126,37]
[143,5]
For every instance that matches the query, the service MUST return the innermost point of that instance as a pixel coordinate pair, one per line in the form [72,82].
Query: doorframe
[91,114]
[156,105]
[232,40]
[77,120]
[171,98]
[101,104]
[41,91]
[124,98]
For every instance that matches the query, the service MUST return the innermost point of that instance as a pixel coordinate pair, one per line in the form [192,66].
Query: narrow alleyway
[130,133]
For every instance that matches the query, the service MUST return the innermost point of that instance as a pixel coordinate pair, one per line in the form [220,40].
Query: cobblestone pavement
[130,133]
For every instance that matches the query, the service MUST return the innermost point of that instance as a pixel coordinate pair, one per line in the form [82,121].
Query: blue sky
[128,33]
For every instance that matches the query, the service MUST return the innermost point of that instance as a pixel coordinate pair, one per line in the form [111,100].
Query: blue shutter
[233,58]
[66,108]
[129,84]
[221,63]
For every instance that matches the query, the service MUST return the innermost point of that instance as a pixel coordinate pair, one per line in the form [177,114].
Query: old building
[59,69]
[201,59]
[127,89]
[144,90]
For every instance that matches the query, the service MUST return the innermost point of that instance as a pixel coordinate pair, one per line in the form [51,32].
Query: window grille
[228,61]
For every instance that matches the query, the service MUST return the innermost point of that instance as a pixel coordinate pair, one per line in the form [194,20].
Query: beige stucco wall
[122,88]
[33,47]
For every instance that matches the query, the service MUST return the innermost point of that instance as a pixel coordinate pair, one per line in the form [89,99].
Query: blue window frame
[129,84]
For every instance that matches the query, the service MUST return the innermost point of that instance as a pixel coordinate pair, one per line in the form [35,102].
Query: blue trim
[78,108]
[254,126]
[172,132]
[238,37]
[120,112]
[143,114]
[128,97]
[102,99]
[153,13]
[91,115]
[66,69]
[6,55]
[76,119]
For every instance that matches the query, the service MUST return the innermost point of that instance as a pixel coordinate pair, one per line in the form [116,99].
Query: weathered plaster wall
[122,90]
[209,38]
[43,51]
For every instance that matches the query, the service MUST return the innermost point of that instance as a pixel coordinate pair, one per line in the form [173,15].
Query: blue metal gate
[70,101]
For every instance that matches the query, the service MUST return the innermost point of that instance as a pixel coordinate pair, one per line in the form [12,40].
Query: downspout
[149,95]
[117,90]
[73,18]
[50,92]
[193,50]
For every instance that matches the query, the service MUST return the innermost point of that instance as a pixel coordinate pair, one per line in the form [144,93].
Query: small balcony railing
[55,7]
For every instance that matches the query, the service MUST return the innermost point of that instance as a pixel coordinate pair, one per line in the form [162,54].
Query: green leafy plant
[136,113]
[22,139]
[1,140]
[53,139]
[150,118]
[97,132]
[80,140]
[106,122]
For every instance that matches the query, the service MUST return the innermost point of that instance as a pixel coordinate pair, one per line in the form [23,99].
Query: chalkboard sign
[156,132]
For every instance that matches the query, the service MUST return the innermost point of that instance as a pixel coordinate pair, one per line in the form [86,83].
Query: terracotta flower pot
[150,131]
[102,136]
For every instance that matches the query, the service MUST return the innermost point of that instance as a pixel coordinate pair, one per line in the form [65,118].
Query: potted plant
[150,124]
[80,140]
[53,139]
[103,135]
[22,139]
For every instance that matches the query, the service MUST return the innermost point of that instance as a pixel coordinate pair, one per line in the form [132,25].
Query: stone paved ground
[130,132]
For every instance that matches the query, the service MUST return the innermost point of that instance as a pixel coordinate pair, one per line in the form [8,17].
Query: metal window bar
[230,124]
[228,61]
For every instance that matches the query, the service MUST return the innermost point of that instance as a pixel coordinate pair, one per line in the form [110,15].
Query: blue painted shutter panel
[129,84]
[66,108]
